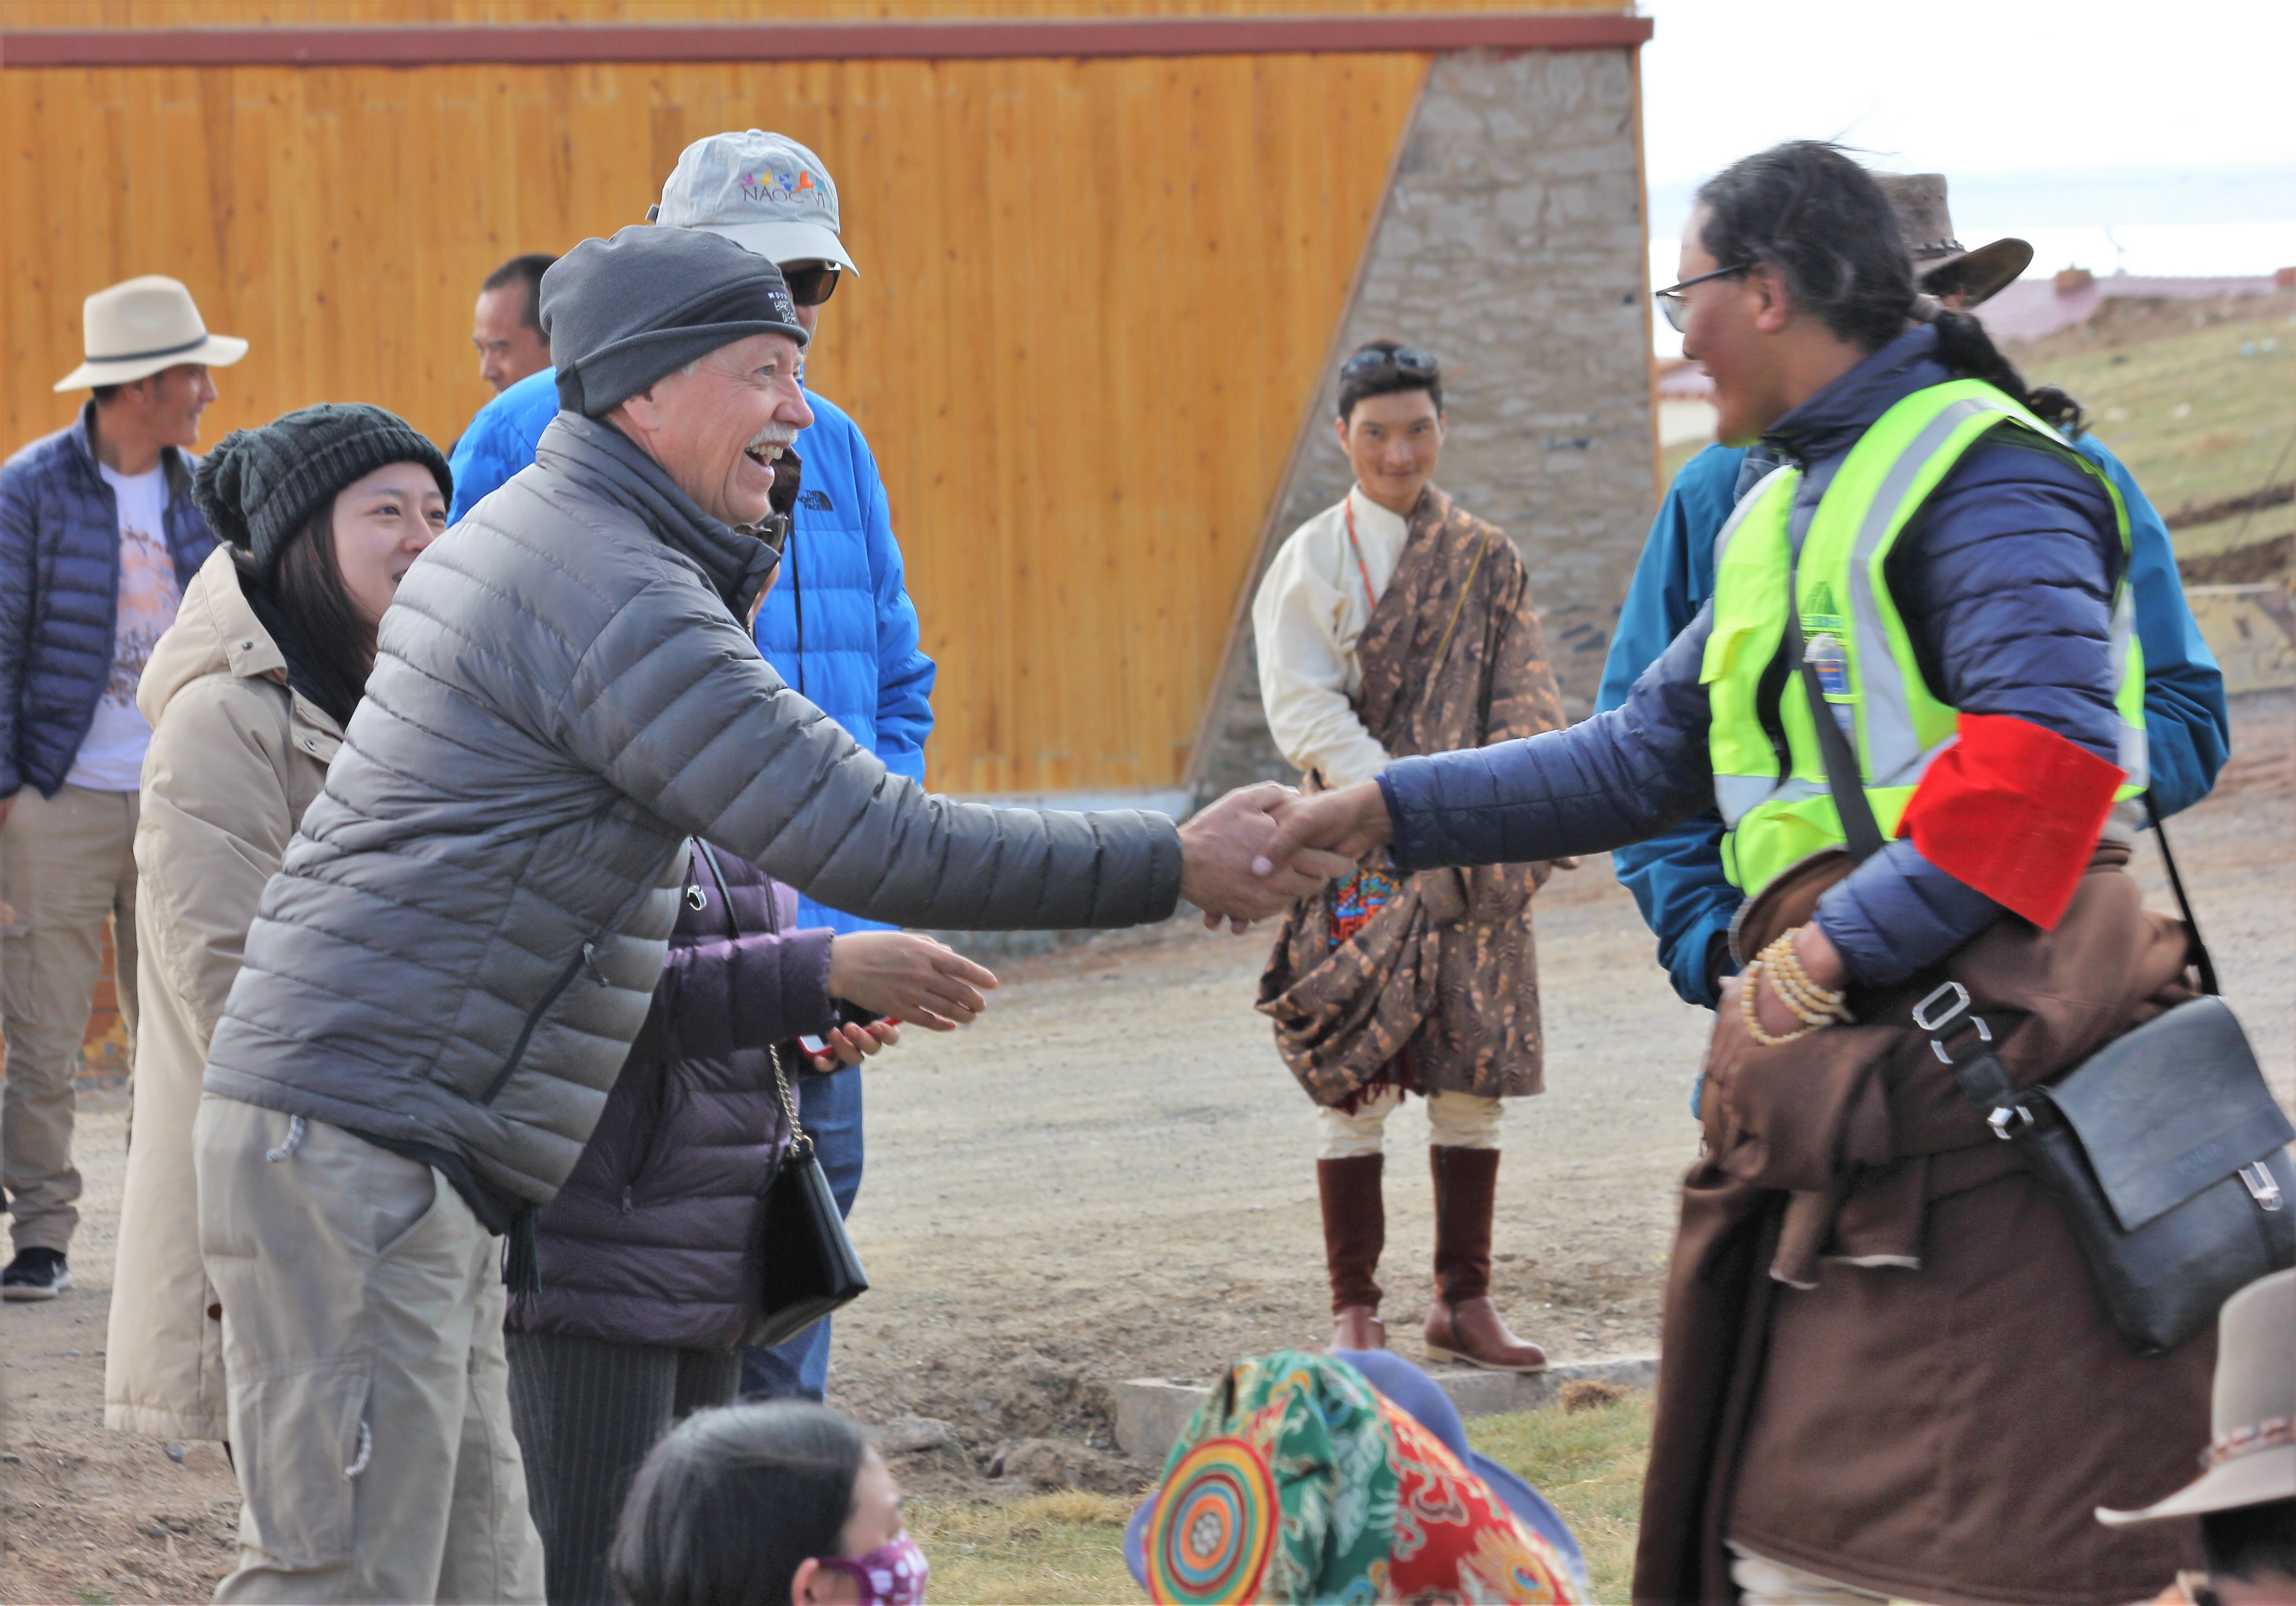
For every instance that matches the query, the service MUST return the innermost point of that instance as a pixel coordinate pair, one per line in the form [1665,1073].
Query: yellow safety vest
[1776,813]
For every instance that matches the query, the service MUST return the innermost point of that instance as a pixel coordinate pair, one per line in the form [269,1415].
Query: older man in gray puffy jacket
[444,978]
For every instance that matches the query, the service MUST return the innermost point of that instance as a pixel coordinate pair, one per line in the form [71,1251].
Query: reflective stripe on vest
[1898,725]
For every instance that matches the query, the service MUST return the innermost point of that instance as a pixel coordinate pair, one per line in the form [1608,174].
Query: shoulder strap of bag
[2202,962]
[1859,829]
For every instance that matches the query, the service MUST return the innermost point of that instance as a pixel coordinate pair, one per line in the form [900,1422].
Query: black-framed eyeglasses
[1372,358]
[811,286]
[1671,301]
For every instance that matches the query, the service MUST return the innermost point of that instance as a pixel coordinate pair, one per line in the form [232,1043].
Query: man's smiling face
[718,424]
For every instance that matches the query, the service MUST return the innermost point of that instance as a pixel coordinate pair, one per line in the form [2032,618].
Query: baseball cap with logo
[764,191]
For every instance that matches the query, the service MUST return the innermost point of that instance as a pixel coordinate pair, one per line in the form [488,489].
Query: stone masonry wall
[1512,245]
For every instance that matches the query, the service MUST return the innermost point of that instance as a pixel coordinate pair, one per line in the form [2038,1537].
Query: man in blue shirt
[838,625]
[1676,878]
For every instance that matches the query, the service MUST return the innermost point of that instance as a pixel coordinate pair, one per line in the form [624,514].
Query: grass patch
[2194,420]
[1068,1548]
[1590,1464]
[1055,1549]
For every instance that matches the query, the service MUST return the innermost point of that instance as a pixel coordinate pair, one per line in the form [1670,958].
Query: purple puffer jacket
[653,1240]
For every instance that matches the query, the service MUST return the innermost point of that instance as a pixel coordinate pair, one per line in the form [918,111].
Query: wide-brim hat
[139,328]
[1941,262]
[2252,1454]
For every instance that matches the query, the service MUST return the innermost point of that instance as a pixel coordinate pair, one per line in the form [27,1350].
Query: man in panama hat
[98,537]
[2245,1496]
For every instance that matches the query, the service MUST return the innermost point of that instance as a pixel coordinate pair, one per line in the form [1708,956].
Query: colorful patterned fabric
[1355,900]
[1297,1482]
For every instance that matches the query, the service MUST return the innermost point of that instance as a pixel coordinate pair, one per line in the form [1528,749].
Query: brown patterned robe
[1438,990]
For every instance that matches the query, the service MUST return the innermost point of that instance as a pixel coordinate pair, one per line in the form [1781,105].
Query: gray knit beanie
[620,313]
[260,486]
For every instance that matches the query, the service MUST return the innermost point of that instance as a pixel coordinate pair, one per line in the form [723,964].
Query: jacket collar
[175,463]
[1821,430]
[602,458]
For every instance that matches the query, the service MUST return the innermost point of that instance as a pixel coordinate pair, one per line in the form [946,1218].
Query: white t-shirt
[1309,613]
[111,757]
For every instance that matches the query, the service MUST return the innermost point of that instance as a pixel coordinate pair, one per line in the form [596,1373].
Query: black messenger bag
[2165,1149]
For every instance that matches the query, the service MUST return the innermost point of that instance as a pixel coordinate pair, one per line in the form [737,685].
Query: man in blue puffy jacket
[1676,876]
[840,626]
[98,538]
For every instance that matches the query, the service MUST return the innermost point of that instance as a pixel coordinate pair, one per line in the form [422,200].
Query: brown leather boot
[1355,1231]
[1462,1324]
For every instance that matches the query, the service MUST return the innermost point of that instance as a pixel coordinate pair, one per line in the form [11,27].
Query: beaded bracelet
[1752,1013]
[1792,980]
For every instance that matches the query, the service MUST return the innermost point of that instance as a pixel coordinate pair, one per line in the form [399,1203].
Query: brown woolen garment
[1884,1361]
[1453,658]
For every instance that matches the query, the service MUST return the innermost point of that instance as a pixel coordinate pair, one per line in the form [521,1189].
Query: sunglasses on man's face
[1372,358]
[1671,302]
[811,286]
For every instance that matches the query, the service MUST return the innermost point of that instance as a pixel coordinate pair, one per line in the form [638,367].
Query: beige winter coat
[235,759]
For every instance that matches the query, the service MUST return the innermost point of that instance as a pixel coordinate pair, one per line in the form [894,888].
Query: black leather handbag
[2165,1149]
[810,1268]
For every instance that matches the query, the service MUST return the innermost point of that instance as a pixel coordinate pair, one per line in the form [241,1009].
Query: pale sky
[2159,138]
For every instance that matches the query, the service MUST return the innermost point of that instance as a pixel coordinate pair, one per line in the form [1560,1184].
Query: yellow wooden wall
[1095,295]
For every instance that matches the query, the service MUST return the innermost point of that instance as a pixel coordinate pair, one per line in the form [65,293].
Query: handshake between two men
[1260,848]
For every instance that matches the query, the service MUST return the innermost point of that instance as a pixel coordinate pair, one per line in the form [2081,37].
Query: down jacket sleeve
[215,822]
[1619,777]
[672,704]
[1675,877]
[738,991]
[19,560]
[904,675]
[2187,729]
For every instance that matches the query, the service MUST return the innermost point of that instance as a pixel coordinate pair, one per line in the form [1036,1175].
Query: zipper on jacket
[574,967]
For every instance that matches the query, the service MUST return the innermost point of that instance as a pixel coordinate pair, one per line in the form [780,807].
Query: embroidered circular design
[1214,1523]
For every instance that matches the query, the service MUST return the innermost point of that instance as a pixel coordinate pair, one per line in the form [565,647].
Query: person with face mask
[758,1505]
[1879,1331]
[1396,623]
[319,512]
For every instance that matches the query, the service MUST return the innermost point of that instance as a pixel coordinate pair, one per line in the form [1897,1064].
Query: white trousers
[1762,1582]
[1455,1120]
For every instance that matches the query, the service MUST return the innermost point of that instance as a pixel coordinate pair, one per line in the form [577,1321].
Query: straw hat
[2252,1454]
[141,326]
[1941,262]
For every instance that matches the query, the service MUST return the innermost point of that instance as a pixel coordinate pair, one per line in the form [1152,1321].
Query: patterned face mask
[892,1575]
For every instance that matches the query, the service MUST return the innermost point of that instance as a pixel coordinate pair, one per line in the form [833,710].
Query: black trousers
[586,1412]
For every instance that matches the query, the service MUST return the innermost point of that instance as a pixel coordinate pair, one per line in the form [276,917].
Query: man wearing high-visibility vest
[1887,1375]
[1677,877]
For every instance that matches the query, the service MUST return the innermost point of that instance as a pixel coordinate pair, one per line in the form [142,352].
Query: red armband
[2014,810]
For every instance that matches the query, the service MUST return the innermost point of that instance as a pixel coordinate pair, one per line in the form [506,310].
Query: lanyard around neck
[1370,597]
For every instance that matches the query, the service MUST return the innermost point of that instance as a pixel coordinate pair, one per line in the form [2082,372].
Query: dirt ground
[1111,1177]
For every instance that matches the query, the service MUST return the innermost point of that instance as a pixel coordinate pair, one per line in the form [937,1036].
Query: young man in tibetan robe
[1397,623]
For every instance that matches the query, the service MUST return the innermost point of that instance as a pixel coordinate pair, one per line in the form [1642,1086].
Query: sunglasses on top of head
[1371,358]
[1670,299]
[812,284]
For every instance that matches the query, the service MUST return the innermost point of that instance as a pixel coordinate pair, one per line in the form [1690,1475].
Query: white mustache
[769,441]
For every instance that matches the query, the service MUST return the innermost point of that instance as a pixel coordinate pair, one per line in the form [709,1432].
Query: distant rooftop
[2032,309]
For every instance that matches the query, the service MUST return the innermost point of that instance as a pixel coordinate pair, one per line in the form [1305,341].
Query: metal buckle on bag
[1960,997]
[2007,1116]
[2261,1185]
